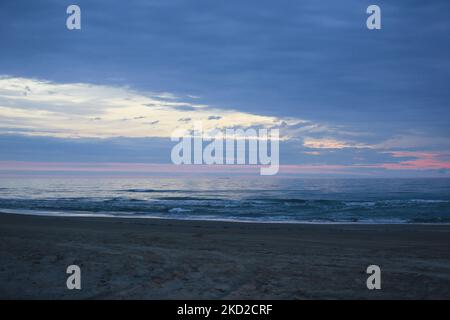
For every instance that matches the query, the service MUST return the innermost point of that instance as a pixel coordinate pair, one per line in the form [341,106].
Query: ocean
[276,200]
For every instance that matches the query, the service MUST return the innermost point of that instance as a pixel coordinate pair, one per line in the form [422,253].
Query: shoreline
[142,217]
[180,259]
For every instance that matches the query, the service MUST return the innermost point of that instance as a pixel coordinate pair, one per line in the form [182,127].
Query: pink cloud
[423,161]
[120,167]
[160,168]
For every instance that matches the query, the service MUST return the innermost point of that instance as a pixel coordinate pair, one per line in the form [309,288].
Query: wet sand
[167,259]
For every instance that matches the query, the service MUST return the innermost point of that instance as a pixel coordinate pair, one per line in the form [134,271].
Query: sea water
[257,199]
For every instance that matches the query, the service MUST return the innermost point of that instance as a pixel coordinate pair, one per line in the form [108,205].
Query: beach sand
[167,259]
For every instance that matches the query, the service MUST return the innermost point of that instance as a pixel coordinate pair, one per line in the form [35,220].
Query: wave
[183,214]
[149,191]
[179,210]
[267,209]
[187,199]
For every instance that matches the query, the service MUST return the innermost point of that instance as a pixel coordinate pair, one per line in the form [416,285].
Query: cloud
[414,141]
[420,160]
[327,143]
[93,122]
[70,108]
[183,107]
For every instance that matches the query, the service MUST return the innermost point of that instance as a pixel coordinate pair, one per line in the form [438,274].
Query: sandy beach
[169,259]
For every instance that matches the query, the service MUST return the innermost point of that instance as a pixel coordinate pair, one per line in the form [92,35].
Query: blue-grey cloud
[309,59]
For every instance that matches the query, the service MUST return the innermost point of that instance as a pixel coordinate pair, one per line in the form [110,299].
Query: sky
[348,101]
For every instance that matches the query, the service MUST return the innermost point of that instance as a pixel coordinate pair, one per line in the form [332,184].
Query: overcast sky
[346,99]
